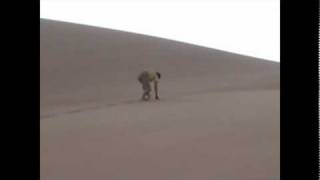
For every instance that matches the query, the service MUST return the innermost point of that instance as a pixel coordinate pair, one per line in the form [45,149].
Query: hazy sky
[249,27]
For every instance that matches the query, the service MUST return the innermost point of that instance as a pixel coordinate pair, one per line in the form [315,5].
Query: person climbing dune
[146,78]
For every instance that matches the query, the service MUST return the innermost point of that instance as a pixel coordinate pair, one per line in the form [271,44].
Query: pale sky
[249,27]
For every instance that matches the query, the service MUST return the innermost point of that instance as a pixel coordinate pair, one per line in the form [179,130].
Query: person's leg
[146,87]
[146,90]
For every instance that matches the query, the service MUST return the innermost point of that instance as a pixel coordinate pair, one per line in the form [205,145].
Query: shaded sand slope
[84,64]
[218,117]
[221,136]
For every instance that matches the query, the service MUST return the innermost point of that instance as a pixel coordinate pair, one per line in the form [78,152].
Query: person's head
[158,74]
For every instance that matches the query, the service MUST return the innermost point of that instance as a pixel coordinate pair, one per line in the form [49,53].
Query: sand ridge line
[96,107]
[120,103]
[135,101]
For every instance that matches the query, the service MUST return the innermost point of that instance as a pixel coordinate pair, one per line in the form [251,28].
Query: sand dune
[218,117]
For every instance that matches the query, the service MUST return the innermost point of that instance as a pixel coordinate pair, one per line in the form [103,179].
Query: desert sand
[218,116]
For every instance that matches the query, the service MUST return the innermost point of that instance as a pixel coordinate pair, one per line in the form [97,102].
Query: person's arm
[156,89]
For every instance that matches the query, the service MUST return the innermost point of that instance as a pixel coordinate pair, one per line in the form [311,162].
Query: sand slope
[218,117]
